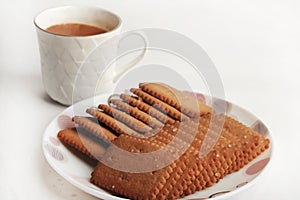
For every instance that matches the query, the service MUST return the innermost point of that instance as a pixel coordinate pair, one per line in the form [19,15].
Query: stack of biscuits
[161,143]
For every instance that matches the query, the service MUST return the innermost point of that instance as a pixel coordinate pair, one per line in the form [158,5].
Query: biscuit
[114,124]
[95,128]
[208,170]
[168,134]
[229,153]
[118,181]
[172,186]
[135,112]
[197,167]
[160,105]
[187,104]
[213,171]
[153,112]
[126,119]
[89,146]
[252,143]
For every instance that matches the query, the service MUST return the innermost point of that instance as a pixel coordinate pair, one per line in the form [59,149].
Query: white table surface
[255,45]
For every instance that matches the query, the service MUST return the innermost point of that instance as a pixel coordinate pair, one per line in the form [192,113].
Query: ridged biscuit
[118,181]
[162,106]
[95,128]
[114,124]
[162,117]
[181,101]
[135,112]
[86,145]
[231,153]
[126,119]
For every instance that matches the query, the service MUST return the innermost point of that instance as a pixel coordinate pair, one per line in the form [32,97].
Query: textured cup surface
[62,56]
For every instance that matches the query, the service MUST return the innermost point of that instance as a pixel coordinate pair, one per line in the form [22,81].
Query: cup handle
[130,64]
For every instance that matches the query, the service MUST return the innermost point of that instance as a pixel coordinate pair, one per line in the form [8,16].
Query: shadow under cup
[62,56]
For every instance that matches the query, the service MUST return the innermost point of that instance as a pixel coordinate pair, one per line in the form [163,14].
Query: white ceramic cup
[62,56]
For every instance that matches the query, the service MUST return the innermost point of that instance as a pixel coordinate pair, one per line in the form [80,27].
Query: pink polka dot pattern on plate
[257,167]
[65,121]
[54,141]
[54,152]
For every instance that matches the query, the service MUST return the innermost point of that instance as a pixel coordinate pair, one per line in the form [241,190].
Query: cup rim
[116,28]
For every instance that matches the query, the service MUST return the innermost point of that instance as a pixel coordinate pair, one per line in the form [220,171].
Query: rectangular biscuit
[132,184]
[184,103]
[112,123]
[83,142]
[125,118]
[137,113]
[235,151]
[152,111]
[162,106]
[189,173]
[95,128]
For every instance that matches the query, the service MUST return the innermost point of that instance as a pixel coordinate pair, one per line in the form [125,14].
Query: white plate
[78,172]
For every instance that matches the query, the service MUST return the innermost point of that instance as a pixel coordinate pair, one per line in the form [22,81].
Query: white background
[254,44]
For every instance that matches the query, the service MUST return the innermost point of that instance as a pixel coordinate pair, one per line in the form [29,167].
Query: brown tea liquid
[74,29]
